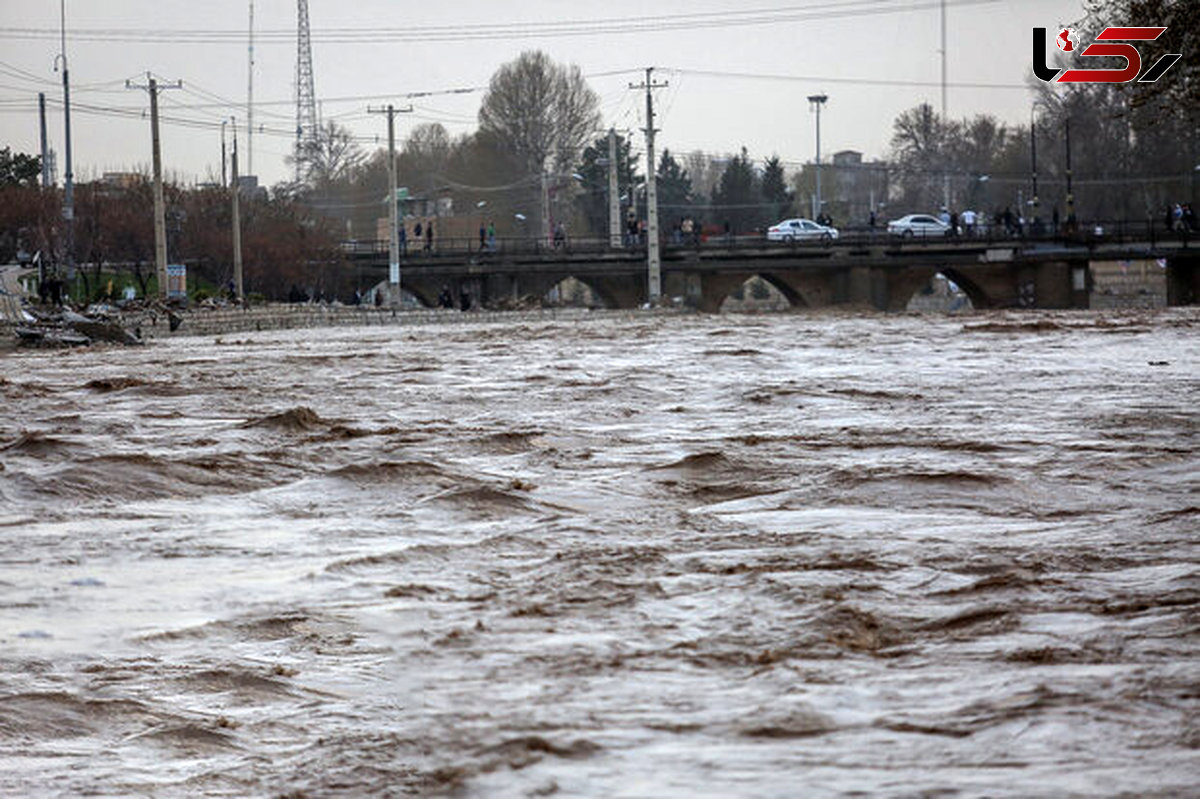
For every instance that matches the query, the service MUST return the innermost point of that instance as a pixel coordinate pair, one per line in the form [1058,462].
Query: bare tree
[543,111]
[334,156]
[423,161]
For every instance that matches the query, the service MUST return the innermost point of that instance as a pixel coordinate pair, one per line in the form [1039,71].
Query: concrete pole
[547,231]
[68,212]
[250,98]
[653,262]
[45,148]
[393,211]
[614,201]
[945,119]
[1033,162]
[160,226]
[235,192]
[1070,193]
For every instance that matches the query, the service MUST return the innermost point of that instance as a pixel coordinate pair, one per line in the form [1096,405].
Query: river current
[608,556]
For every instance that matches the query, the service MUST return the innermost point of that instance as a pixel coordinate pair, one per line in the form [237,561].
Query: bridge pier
[1183,280]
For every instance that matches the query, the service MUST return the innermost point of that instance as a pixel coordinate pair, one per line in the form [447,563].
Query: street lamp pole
[1070,193]
[815,101]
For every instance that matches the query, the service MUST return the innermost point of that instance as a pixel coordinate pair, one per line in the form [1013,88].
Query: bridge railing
[1153,232]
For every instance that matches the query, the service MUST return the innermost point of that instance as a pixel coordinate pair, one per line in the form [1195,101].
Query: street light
[815,101]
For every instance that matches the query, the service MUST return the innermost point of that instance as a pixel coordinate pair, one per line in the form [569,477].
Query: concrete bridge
[877,272]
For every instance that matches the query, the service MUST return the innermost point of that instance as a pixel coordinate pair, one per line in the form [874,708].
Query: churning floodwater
[620,556]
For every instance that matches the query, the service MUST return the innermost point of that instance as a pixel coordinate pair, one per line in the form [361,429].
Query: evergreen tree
[675,198]
[776,198]
[19,169]
[592,200]
[736,199]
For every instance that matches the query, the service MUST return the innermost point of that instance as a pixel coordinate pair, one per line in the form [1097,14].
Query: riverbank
[156,322]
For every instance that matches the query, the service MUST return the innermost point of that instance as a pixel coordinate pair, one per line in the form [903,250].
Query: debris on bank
[63,327]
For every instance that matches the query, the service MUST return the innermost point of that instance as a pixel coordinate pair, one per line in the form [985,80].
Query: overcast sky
[738,74]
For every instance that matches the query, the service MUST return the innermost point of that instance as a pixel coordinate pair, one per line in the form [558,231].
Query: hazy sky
[738,74]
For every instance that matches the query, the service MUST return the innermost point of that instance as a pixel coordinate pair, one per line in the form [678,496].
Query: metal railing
[1091,233]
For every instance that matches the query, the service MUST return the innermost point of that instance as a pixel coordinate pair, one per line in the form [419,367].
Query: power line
[714,73]
[512,30]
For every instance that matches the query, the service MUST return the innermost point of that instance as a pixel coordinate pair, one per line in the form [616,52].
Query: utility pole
[160,228]
[393,211]
[547,231]
[653,264]
[815,101]
[68,211]
[945,119]
[614,202]
[236,191]
[1070,194]
[1033,165]
[250,99]
[42,130]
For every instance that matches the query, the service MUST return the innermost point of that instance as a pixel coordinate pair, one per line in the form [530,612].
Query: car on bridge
[919,226]
[801,230]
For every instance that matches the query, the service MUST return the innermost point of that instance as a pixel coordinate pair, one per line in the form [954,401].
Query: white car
[801,230]
[919,226]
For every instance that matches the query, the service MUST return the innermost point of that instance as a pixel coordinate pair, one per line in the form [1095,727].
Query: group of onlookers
[1180,218]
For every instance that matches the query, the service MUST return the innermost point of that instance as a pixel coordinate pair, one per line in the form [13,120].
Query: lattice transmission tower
[306,97]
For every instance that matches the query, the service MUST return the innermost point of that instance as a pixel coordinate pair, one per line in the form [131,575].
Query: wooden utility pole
[160,227]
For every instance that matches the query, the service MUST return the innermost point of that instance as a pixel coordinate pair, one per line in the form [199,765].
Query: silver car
[801,230]
[919,226]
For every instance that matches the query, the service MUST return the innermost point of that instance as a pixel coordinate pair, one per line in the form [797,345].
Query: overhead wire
[844,9]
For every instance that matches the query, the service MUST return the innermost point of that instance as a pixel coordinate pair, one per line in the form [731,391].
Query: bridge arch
[977,296]
[580,291]
[409,293]
[761,291]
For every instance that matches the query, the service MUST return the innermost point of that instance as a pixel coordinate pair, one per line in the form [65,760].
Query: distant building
[412,209]
[855,187]
[248,187]
[121,181]
[850,189]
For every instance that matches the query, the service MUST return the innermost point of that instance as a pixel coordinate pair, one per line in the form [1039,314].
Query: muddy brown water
[637,557]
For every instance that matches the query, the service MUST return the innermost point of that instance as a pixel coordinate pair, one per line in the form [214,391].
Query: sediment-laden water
[623,556]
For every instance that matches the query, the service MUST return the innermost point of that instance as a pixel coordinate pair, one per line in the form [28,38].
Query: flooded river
[622,556]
